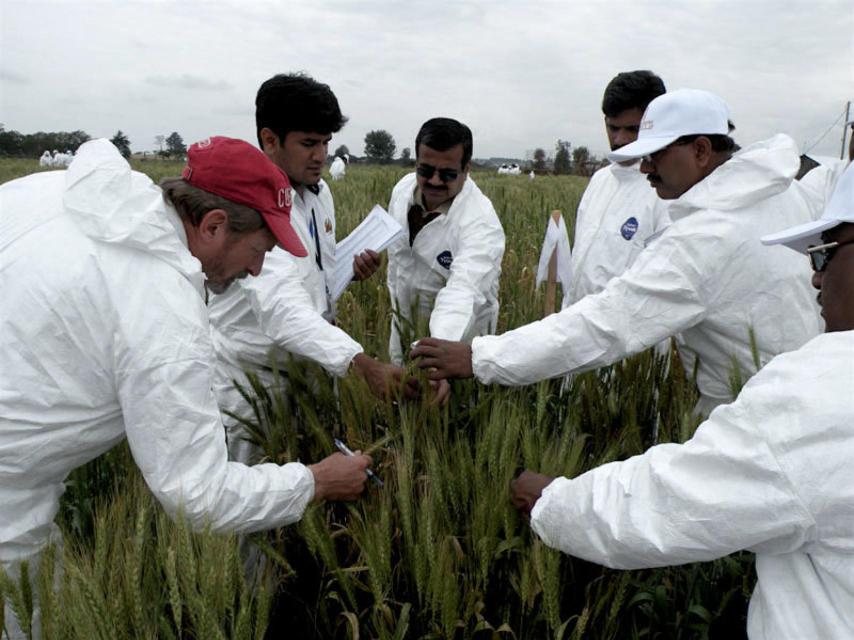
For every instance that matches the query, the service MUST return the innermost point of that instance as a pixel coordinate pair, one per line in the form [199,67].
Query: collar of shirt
[418,217]
[418,199]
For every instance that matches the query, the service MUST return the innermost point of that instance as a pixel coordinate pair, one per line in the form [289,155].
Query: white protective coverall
[706,277]
[820,183]
[619,211]
[771,473]
[451,271]
[286,309]
[106,336]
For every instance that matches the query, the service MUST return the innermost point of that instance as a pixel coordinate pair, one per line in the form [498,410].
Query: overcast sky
[520,74]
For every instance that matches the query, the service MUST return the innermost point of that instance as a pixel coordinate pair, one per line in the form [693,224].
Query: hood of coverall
[111,203]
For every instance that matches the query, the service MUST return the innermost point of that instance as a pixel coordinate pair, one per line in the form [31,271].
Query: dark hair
[631,90]
[720,142]
[443,133]
[296,102]
[193,203]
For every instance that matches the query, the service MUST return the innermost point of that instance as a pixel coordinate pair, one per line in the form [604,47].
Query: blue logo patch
[629,228]
[445,259]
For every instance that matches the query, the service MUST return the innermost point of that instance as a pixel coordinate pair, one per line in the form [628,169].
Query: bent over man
[289,309]
[106,336]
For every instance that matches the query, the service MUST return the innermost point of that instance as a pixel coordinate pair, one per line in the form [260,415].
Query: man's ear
[703,151]
[213,227]
[467,168]
[269,140]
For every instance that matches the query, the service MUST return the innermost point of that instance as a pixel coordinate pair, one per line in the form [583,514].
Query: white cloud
[186,81]
[520,74]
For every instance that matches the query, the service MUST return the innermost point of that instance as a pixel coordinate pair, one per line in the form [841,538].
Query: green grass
[439,552]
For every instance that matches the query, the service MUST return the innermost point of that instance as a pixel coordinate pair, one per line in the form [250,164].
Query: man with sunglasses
[618,210]
[706,280]
[445,269]
[772,472]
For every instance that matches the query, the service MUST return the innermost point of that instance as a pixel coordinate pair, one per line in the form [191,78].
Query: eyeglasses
[651,157]
[821,254]
[426,171]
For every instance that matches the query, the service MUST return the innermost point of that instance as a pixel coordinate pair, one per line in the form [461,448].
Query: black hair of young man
[296,102]
[631,90]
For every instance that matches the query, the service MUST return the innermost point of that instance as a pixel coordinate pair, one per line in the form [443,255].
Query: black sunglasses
[426,171]
[821,254]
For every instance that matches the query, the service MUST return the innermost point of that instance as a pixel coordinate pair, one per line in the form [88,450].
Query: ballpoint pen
[343,448]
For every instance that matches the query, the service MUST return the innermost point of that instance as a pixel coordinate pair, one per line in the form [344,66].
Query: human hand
[366,264]
[442,392]
[526,489]
[340,477]
[385,379]
[443,358]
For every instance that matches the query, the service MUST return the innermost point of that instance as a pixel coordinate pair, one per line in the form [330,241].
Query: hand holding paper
[376,232]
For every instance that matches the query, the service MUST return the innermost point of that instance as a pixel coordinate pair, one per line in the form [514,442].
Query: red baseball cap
[237,171]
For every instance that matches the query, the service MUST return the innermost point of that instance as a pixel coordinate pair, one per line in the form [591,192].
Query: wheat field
[438,552]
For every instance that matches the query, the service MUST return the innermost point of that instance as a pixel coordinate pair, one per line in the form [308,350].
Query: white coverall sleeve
[289,318]
[728,488]
[163,376]
[667,290]
[474,273]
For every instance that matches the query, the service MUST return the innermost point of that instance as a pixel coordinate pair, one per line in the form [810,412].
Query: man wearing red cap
[106,336]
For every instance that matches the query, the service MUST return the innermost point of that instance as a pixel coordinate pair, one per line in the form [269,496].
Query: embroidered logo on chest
[445,259]
[629,228]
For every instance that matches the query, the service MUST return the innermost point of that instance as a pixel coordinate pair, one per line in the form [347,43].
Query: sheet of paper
[376,232]
[556,239]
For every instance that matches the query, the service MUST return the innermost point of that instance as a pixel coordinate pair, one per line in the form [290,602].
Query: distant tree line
[566,160]
[32,145]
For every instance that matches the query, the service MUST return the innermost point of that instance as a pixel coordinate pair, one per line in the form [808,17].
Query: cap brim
[285,234]
[639,148]
[803,236]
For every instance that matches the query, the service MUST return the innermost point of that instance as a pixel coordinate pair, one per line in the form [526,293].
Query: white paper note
[376,232]
[556,240]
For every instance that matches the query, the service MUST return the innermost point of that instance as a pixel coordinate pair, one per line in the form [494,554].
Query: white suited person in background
[772,472]
[447,265]
[706,279]
[822,173]
[106,337]
[618,212]
[288,309]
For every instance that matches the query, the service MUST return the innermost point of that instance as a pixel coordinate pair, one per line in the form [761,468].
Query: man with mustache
[445,269]
[618,211]
[771,472]
[706,279]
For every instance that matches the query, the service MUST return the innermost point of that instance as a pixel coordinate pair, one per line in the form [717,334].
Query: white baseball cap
[670,116]
[839,209]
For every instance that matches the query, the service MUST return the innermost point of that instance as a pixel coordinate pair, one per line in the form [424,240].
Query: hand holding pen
[340,476]
[343,448]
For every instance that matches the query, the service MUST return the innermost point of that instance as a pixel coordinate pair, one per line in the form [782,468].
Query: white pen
[343,448]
